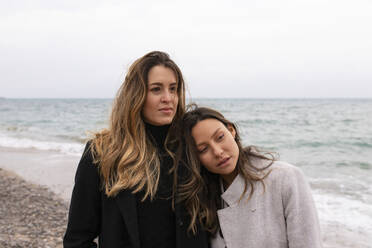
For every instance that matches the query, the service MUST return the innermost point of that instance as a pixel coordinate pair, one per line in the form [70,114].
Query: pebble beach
[30,215]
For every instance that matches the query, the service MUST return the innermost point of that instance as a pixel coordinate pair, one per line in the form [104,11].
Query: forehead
[205,129]
[161,74]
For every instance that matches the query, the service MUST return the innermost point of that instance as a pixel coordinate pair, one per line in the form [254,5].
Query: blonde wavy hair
[201,191]
[126,157]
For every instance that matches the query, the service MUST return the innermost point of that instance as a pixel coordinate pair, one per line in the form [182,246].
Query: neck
[158,133]
[228,179]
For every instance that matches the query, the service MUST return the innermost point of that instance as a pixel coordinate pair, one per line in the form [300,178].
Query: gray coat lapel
[232,219]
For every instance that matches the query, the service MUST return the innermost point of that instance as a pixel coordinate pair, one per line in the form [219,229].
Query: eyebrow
[161,84]
[202,143]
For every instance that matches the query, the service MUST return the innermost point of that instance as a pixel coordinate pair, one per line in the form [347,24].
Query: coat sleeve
[84,218]
[302,222]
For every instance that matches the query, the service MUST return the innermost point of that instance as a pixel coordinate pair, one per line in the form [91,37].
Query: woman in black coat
[126,183]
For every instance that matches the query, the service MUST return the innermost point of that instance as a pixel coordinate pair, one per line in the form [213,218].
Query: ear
[232,130]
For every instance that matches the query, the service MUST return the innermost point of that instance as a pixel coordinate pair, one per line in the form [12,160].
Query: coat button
[180,222]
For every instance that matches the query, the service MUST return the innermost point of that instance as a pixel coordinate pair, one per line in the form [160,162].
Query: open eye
[173,89]
[155,89]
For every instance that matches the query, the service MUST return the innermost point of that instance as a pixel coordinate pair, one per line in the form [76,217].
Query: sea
[329,139]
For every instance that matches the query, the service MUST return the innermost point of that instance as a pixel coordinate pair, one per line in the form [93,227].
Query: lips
[166,110]
[223,162]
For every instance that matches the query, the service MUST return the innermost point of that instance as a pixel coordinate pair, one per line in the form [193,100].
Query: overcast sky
[250,48]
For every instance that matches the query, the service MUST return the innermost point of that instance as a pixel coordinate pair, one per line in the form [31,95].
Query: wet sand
[51,169]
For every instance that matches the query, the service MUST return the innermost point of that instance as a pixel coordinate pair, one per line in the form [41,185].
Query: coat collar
[232,194]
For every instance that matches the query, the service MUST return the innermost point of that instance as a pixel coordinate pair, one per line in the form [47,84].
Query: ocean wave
[365,166]
[354,214]
[66,148]
[38,133]
[348,120]
[79,139]
[362,144]
[340,143]
[258,121]
[361,165]
[20,129]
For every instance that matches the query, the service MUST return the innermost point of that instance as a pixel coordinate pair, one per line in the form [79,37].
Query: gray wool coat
[280,215]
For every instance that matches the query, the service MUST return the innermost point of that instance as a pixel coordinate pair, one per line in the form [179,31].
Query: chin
[163,122]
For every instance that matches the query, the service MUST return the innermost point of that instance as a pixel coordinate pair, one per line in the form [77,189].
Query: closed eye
[220,137]
[203,150]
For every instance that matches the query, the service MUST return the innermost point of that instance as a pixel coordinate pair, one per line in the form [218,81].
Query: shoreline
[48,168]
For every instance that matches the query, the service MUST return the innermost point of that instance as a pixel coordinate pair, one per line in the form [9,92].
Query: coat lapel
[128,207]
[233,193]
[240,214]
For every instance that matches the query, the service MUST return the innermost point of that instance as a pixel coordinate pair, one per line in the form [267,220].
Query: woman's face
[216,146]
[162,98]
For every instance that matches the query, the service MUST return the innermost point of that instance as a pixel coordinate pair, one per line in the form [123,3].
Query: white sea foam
[352,214]
[63,147]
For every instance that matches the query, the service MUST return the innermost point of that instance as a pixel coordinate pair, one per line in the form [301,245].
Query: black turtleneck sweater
[156,219]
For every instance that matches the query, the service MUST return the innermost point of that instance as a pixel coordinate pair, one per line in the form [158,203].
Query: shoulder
[280,169]
[283,168]
[288,172]
[281,174]
[87,155]
[87,169]
[291,181]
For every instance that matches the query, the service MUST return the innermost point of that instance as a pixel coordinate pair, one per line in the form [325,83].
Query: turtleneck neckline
[158,133]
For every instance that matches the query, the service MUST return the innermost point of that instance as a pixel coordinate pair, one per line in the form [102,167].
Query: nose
[166,96]
[218,151]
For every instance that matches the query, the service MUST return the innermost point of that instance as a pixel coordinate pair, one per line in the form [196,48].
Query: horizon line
[210,98]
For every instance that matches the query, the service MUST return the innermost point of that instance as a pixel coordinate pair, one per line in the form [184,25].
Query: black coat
[114,219]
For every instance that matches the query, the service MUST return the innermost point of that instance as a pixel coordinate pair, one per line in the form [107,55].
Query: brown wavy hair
[201,190]
[126,157]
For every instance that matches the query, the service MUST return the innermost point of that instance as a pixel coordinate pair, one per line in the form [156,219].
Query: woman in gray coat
[242,197]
